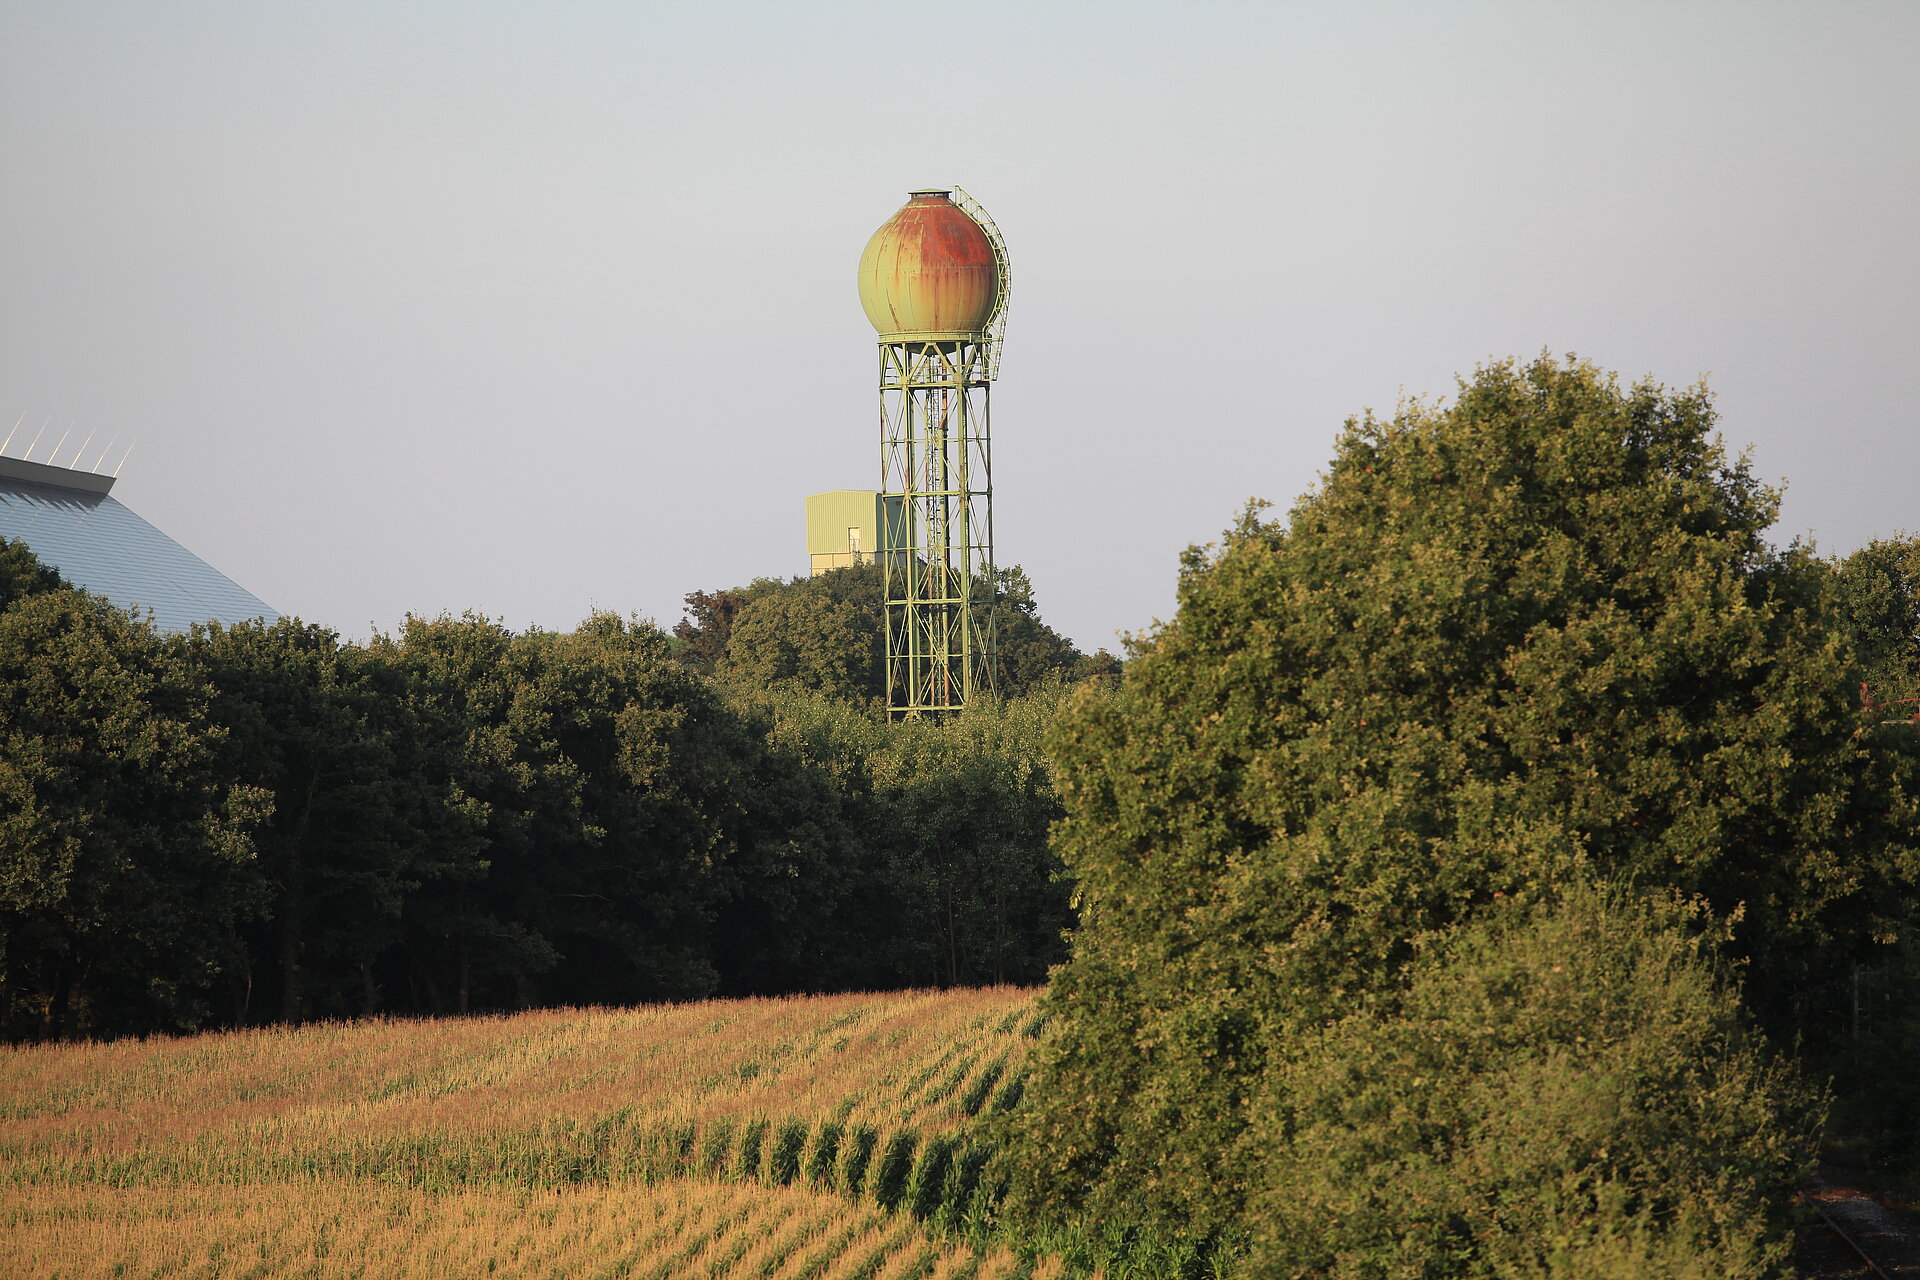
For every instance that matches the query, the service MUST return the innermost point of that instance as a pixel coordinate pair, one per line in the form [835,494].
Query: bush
[1566,1091]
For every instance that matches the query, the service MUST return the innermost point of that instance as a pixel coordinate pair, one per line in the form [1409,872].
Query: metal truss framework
[937,459]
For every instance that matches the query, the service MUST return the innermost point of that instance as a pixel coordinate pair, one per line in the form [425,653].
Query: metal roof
[98,543]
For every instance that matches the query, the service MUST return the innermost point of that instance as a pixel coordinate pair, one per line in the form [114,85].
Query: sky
[533,309]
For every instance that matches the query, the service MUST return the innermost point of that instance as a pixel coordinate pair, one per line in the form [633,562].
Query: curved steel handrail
[1003,267]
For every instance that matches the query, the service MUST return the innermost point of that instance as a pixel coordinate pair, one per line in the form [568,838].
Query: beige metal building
[848,527]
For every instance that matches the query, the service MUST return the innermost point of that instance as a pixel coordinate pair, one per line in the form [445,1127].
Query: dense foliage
[260,822]
[826,634]
[1525,641]
[945,876]
[1879,591]
[1564,1091]
[1877,1111]
[125,850]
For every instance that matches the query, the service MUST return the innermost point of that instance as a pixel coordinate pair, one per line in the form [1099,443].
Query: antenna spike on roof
[28,455]
[123,460]
[75,462]
[105,449]
[11,434]
[53,459]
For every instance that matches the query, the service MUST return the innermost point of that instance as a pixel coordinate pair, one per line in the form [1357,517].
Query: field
[819,1137]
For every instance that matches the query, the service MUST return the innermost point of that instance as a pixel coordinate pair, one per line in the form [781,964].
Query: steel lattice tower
[936,459]
[934,281]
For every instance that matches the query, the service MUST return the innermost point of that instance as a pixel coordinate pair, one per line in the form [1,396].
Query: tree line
[261,822]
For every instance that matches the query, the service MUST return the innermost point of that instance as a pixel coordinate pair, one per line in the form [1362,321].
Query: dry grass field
[370,1231]
[817,1137]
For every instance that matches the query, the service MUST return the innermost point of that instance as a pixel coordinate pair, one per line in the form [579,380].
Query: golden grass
[525,1097]
[352,1229]
[766,1138]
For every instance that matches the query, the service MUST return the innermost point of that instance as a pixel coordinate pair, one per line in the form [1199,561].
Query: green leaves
[22,574]
[460,817]
[125,850]
[1879,597]
[1510,644]
[1554,1080]
[826,634]
[920,848]
[601,774]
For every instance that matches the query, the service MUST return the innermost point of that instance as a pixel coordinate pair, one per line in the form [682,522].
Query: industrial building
[73,523]
[849,526]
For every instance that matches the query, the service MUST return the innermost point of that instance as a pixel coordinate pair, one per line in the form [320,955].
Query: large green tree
[602,787]
[803,890]
[1510,643]
[460,817]
[308,719]
[965,806]
[126,854]
[449,678]
[636,767]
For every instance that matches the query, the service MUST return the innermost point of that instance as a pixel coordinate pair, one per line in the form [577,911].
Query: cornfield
[352,1229]
[822,1137]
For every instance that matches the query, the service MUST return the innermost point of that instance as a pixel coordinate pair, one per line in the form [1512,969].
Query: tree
[877,855]
[807,903]
[1878,1096]
[1879,588]
[598,784]
[22,574]
[448,676]
[125,852]
[1526,639]
[1565,1090]
[964,808]
[1031,652]
[305,721]
[827,633]
[704,632]
[628,822]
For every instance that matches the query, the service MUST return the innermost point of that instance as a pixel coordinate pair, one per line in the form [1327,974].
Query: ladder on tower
[1003,269]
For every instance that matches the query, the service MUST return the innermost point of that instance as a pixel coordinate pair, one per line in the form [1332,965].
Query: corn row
[361,1231]
[697,1140]
[551,1078]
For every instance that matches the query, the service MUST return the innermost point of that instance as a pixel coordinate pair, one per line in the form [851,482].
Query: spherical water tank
[928,274]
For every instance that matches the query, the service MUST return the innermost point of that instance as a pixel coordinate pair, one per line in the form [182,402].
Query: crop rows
[546,1097]
[350,1229]
[818,1137]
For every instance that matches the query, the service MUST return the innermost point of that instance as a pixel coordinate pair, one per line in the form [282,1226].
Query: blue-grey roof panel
[99,543]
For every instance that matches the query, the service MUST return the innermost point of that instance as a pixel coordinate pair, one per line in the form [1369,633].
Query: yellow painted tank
[928,274]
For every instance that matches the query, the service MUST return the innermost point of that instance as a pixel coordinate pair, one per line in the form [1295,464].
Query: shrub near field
[868,1101]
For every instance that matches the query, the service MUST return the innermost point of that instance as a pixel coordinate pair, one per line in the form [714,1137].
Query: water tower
[934,282]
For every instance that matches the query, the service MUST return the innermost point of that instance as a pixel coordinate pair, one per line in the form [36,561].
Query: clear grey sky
[531,308]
